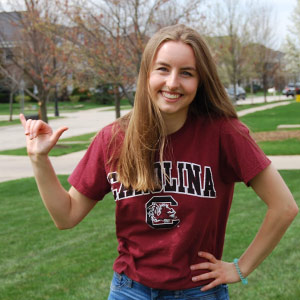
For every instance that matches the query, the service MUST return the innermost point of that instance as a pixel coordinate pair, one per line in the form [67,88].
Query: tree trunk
[43,107]
[265,85]
[11,98]
[117,102]
[56,111]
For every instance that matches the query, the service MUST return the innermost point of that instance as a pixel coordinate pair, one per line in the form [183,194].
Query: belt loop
[127,281]
[154,294]
[119,276]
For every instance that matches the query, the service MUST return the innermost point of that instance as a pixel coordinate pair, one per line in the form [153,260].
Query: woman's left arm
[282,209]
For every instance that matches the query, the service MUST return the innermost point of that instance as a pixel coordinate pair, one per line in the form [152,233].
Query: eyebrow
[167,65]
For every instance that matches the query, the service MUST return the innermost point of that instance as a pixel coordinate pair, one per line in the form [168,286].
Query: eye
[162,69]
[186,73]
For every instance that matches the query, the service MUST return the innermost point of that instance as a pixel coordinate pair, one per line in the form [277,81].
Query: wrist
[242,277]
[38,157]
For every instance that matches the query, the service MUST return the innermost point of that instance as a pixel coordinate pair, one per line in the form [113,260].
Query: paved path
[260,108]
[11,137]
[80,122]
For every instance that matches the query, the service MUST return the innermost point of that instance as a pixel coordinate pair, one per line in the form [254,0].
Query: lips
[172,97]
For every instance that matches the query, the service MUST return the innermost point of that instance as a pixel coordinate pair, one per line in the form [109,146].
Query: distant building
[10,33]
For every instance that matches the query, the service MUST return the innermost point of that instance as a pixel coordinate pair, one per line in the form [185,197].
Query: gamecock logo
[160,212]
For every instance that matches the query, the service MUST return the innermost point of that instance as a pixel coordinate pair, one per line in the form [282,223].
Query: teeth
[171,96]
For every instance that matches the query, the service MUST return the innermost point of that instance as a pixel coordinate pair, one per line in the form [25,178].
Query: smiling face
[174,80]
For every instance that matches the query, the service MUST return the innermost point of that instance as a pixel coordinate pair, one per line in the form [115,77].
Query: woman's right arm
[67,208]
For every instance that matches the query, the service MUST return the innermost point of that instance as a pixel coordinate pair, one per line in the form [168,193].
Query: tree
[12,80]
[230,20]
[292,47]
[39,53]
[111,36]
[265,62]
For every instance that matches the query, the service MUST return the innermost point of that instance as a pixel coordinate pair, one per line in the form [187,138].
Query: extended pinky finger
[27,127]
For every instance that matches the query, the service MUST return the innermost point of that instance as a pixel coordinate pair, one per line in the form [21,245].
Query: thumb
[57,134]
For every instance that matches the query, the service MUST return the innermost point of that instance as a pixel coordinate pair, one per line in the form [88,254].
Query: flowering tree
[110,36]
[39,52]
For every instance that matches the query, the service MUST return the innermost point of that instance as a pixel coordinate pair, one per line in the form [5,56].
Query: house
[9,34]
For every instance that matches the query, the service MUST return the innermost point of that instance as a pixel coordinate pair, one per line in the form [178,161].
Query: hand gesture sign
[40,138]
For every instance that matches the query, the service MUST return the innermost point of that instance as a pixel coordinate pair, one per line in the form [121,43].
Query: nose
[172,81]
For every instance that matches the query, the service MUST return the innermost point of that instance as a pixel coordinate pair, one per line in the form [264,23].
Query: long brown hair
[145,132]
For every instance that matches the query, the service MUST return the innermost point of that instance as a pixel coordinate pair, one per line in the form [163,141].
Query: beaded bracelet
[243,279]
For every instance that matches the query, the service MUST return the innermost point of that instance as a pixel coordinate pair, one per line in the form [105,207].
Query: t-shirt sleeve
[241,157]
[89,176]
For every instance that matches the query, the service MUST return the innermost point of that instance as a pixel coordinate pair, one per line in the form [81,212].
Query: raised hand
[219,271]
[40,138]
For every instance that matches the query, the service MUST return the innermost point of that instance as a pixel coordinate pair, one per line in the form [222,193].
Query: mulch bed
[275,135]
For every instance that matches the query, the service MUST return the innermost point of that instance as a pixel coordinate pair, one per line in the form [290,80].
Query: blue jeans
[123,288]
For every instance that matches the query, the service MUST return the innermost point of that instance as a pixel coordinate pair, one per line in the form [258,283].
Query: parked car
[240,93]
[290,89]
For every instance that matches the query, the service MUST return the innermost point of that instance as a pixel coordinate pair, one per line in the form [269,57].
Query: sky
[282,10]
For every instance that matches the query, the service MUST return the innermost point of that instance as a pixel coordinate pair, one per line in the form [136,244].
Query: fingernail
[194,278]
[199,253]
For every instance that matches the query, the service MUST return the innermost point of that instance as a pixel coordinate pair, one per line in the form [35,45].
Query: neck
[174,122]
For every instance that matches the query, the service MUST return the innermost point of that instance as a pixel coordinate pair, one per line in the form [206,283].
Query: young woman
[171,165]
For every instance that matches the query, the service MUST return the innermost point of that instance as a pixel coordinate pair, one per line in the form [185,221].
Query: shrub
[104,94]
[83,94]
[74,98]
[18,98]
[102,98]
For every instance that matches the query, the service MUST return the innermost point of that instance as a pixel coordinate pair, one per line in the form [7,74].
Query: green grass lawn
[261,94]
[8,123]
[16,121]
[64,146]
[40,262]
[278,277]
[281,147]
[268,120]
[32,107]
[58,150]
[87,137]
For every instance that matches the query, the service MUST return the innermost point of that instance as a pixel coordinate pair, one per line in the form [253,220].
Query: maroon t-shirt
[160,232]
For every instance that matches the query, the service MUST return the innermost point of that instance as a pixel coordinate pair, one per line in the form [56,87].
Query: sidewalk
[260,108]
[15,167]
[81,122]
